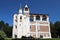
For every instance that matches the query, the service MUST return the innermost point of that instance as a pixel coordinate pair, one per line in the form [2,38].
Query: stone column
[41,18]
[47,18]
[34,18]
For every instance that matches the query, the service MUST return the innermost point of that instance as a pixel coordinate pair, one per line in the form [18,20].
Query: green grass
[8,38]
[50,39]
[55,39]
[37,39]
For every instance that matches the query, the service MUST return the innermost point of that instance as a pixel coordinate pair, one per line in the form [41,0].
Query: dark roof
[37,14]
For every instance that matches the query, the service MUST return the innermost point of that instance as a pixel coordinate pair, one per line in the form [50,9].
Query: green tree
[57,28]
[2,35]
[53,30]
[8,30]
[1,25]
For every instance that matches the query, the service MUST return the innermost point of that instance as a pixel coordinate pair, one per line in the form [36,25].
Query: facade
[30,24]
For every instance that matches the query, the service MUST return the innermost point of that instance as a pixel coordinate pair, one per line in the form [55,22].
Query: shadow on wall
[25,38]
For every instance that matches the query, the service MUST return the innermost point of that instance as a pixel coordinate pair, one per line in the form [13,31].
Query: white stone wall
[14,28]
[19,26]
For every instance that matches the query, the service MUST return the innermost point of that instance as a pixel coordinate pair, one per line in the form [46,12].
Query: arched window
[16,19]
[31,18]
[26,9]
[37,17]
[44,18]
[20,18]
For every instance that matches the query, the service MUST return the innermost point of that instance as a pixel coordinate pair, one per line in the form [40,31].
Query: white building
[30,24]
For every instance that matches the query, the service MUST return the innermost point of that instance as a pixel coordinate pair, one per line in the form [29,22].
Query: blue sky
[9,7]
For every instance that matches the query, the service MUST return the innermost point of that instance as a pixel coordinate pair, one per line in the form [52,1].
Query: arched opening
[37,17]
[20,18]
[26,9]
[44,18]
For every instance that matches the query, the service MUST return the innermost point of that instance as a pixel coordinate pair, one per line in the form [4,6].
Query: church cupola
[26,6]
[20,10]
[26,10]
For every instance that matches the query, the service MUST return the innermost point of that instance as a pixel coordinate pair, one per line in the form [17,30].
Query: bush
[1,38]
[2,34]
[32,39]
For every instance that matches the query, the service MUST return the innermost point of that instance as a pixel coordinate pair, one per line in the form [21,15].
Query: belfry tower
[21,23]
[26,10]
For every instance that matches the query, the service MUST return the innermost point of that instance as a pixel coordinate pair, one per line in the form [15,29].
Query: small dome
[20,10]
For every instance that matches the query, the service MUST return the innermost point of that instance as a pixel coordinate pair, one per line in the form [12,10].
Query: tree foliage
[55,29]
[1,25]
[6,28]
[2,34]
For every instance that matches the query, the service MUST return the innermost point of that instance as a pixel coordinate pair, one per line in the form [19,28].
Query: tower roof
[26,5]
